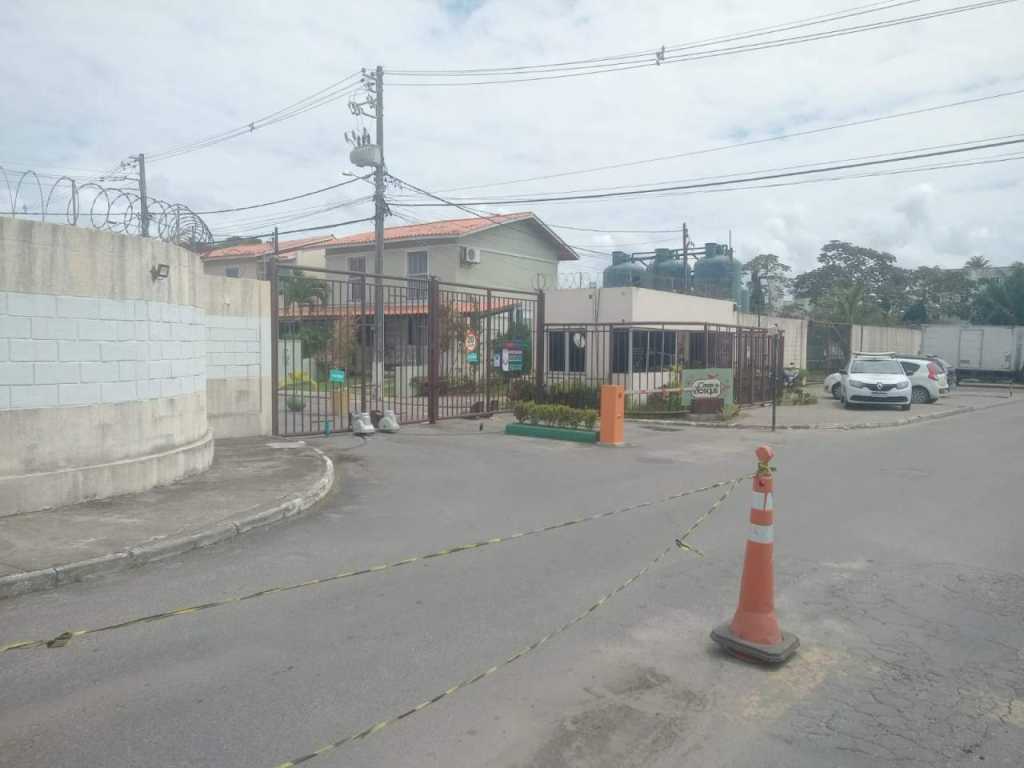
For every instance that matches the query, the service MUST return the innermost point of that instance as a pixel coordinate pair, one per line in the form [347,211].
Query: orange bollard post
[754,632]
[613,414]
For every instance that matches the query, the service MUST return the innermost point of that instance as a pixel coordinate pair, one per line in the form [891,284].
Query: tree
[844,266]
[935,293]
[1001,302]
[297,289]
[976,262]
[845,304]
[766,268]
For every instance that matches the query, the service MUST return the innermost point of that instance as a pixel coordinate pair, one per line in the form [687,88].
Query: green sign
[713,383]
[512,357]
[337,375]
[472,357]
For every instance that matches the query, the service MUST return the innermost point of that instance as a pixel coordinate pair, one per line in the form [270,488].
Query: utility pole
[686,259]
[378,232]
[143,205]
[365,154]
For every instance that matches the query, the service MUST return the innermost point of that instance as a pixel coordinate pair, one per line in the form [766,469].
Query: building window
[556,351]
[576,341]
[356,286]
[417,265]
[620,351]
[232,272]
[567,351]
[653,351]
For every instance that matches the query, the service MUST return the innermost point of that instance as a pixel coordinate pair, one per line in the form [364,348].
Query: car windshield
[875,366]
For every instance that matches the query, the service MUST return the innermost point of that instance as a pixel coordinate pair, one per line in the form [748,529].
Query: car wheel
[919,395]
[837,391]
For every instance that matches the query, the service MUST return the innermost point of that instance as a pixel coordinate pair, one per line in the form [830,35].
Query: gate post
[539,350]
[275,311]
[434,354]
[485,352]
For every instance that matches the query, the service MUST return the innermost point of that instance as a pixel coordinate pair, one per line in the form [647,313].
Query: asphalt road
[898,557]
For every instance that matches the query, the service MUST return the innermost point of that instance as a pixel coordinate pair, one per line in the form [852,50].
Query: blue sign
[337,375]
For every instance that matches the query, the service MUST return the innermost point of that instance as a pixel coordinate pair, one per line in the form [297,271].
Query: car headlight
[903,385]
[858,384]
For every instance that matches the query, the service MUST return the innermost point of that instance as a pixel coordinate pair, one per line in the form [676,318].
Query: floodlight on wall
[160,272]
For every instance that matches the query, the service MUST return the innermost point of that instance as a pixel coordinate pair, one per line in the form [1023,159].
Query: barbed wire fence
[66,200]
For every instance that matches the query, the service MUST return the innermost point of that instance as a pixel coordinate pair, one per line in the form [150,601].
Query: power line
[651,52]
[285,199]
[291,231]
[338,90]
[681,187]
[772,170]
[296,215]
[661,59]
[751,142]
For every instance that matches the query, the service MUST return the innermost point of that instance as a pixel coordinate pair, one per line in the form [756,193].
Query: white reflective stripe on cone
[762,501]
[762,534]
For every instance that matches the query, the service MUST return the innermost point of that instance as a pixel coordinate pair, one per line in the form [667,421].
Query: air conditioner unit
[470,255]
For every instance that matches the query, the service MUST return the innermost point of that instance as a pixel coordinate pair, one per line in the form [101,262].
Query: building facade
[513,251]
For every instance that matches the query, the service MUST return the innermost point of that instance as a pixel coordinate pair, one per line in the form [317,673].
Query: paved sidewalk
[252,482]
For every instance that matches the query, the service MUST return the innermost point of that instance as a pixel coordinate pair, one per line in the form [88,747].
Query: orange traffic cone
[754,632]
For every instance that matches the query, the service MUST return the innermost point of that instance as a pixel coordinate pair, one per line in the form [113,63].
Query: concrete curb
[48,578]
[840,427]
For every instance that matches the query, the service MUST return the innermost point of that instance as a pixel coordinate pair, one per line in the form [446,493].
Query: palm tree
[976,262]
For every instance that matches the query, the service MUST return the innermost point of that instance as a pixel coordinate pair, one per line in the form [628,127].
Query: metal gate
[650,360]
[434,350]
[828,347]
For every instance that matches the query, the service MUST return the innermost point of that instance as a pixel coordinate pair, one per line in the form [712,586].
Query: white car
[875,381]
[834,385]
[927,380]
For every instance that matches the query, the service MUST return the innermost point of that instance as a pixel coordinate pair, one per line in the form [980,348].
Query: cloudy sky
[84,85]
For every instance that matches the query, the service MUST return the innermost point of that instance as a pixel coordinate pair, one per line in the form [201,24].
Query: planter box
[553,433]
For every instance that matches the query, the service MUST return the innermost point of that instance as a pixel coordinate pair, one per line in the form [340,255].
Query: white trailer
[993,351]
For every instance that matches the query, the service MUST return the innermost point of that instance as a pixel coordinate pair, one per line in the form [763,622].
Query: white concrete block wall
[58,351]
[234,348]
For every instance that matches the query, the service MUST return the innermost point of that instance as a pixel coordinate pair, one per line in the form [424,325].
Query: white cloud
[84,85]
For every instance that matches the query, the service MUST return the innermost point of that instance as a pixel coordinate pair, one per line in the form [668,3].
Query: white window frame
[356,288]
[417,291]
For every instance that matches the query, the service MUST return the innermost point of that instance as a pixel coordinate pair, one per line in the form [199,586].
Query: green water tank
[624,272]
[668,272]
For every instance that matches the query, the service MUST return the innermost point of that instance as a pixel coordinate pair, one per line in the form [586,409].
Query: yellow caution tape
[62,639]
[379,726]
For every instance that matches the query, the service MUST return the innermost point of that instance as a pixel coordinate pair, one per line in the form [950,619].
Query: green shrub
[521,410]
[295,404]
[554,415]
[521,389]
[573,393]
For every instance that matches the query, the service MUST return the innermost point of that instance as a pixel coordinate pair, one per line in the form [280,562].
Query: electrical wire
[568,72]
[331,93]
[751,142]
[221,241]
[916,155]
[648,53]
[285,199]
[771,170]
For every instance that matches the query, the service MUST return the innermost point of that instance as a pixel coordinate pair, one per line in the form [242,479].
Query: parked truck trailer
[978,351]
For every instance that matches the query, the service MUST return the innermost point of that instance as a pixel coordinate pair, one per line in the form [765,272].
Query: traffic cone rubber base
[765,654]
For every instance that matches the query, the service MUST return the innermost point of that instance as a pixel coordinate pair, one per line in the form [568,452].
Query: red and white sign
[471,340]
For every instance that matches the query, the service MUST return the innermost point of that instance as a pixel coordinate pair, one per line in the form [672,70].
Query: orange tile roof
[287,248]
[446,228]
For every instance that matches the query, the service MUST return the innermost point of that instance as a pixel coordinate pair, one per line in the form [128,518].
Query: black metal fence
[351,342]
[828,347]
[651,361]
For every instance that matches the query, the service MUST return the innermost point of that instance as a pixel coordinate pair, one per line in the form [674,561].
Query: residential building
[514,251]
[250,259]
